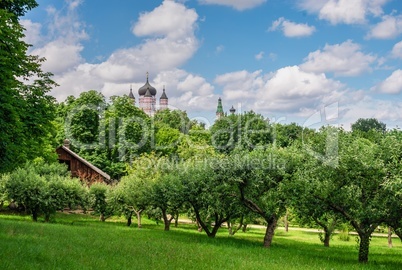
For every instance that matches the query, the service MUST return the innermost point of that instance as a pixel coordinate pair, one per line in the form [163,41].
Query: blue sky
[315,62]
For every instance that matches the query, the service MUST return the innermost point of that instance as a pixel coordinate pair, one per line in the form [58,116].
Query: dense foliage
[26,109]
[241,167]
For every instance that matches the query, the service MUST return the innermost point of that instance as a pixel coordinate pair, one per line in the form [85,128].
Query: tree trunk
[244,229]
[138,213]
[230,228]
[364,247]
[286,221]
[327,237]
[389,237]
[199,227]
[129,219]
[102,217]
[166,220]
[270,231]
[176,220]
[34,215]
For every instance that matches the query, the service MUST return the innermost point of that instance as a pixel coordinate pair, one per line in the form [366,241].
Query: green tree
[40,189]
[246,131]
[175,119]
[98,193]
[18,7]
[83,121]
[354,188]
[26,111]
[260,177]
[209,194]
[167,140]
[368,124]
[165,194]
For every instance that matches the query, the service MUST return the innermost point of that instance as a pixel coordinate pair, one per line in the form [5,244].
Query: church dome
[147,86]
[164,96]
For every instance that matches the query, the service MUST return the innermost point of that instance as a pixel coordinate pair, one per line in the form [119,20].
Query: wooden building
[80,167]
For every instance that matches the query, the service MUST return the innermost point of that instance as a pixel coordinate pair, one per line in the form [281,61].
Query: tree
[167,140]
[38,189]
[26,111]
[83,121]
[98,193]
[259,177]
[245,131]
[166,195]
[368,124]
[18,7]
[175,119]
[354,188]
[210,197]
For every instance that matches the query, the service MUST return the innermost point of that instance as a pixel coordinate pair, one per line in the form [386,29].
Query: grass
[82,242]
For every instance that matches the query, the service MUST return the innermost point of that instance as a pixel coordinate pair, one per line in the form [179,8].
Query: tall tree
[368,124]
[26,110]
[175,119]
[245,131]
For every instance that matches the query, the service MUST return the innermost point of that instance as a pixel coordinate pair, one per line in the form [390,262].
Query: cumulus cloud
[173,26]
[171,20]
[288,90]
[392,84]
[236,4]
[389,27]
[291,29]
[167,46]
[61,46]
[344,11]
[384,110]
[345,59]
[32,31]
[397,50]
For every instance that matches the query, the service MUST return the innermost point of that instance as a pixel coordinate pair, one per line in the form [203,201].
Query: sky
[313,62]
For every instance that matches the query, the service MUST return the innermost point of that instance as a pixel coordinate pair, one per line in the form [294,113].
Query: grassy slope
[80,242]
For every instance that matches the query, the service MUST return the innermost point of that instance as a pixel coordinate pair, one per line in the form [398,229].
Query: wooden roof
[106,177]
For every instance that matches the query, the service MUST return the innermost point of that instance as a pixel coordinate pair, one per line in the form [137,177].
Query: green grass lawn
[81,242]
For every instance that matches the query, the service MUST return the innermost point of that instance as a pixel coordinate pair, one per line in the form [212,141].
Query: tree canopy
[26,109]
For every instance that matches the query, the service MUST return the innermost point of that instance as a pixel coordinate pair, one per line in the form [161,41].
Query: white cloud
[392,84]
[344,11]
[397,50]
[60,55]
[289,90]
[389,27]
[236,4]
[32,31]
[387,111]
[259,56]
[61,45]
[291,29]
[172,20]
[345,59]
[187,91]
[171,44]
[173,25]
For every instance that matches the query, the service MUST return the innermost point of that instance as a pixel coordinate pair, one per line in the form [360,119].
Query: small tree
[27,189]
[98,194]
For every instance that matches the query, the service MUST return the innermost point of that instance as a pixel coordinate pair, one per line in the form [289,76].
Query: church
[147,99]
